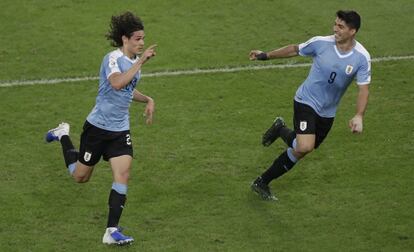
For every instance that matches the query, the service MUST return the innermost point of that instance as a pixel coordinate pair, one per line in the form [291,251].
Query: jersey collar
[127,58]
[340,55]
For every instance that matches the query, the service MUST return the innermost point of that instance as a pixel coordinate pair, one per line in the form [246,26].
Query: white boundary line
[183,72]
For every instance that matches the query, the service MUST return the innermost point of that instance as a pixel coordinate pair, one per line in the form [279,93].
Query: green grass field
[189,189]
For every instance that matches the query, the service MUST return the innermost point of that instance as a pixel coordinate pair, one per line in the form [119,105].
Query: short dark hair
[351,18]
[123,25]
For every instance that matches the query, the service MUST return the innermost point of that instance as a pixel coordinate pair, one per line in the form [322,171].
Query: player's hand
[149,111]
[148,53]
[355,124]
[253,54]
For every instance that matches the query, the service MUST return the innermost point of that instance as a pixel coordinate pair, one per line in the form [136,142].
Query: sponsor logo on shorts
[87,156]
[303,125]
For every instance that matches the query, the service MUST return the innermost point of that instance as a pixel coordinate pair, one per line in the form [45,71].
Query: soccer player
[106,130]
[337,60]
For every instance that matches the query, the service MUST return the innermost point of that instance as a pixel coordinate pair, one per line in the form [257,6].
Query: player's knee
[299,155]
[123,177]
[304,148]
[81,179]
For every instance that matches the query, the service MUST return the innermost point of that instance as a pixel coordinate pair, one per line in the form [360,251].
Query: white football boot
[57,133]
[115,236]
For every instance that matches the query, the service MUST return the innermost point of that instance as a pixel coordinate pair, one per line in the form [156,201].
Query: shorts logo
[303,125]
[348,69]
[87,156]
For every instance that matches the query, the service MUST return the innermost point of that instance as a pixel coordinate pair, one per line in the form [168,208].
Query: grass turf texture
[54,39]
[189,189]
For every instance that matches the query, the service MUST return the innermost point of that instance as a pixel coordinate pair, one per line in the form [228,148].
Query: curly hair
[123,25]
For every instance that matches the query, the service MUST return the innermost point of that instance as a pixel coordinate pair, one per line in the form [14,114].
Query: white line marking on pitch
[183,72]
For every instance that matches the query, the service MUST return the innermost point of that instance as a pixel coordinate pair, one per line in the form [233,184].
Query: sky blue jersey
[111,111]
[331,73]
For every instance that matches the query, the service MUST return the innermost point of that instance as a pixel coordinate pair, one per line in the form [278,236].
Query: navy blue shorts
[307,121]
[96,143]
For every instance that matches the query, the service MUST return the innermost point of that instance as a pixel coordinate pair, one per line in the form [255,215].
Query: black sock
[116,204]
[287,135]
[70,154]
[281,165]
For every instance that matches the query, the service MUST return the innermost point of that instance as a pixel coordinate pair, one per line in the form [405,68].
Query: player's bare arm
[120,80]
[284,52]
[356,123]
[149,108]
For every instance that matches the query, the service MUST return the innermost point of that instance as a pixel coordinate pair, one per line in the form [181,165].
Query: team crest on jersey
[348,69]
[87,156]
[303,125]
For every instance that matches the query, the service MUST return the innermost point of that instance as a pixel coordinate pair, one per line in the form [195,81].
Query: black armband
[262,56]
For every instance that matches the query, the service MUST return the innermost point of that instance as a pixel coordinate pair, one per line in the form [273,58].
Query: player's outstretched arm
[120,80]
[147,54]
[284,52]
[356,123]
